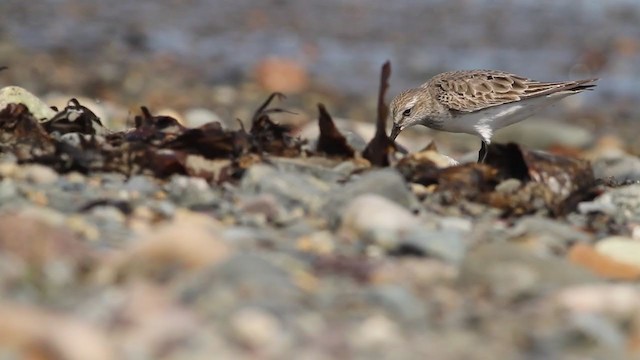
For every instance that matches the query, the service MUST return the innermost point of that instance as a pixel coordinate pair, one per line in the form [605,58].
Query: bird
[477,102]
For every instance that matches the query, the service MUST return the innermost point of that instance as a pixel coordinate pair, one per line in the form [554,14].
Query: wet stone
[449,245]
[400,303]
[142,185]
[510,272]
[292,189]
[621,167]
[8,190]
[377,220]
[190,191]
[252,278]
[546,235]
[386,183]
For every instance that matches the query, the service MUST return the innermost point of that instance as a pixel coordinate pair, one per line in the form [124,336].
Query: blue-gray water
[344,42]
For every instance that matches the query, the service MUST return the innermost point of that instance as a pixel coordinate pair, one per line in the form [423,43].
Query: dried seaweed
[331,142]
[22,134]
[267,136]
[380,147]
[74,118]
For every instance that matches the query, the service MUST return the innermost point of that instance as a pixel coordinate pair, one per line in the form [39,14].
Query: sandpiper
[477,102]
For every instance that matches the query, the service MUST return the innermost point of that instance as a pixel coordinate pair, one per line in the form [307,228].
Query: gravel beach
[163,212]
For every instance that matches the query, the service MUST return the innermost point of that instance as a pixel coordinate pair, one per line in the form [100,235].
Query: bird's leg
[482,154]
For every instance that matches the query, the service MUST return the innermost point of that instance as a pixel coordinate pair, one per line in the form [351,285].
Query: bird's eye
[406,112]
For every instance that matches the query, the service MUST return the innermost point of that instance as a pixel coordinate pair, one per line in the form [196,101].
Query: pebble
[622,203]
[190,191]
[387,183]
[18,95]
[376,219]
[546,235]
[400,303]
[621,249]
[375,333]
[290,188]
[242,279]
[141,185]
[619,300]
[38,331]
[257,329]
[511,272]
[509,186]
[38,174]
[446,244]
[8,190]
[8,169]
[196,117]
[620,166]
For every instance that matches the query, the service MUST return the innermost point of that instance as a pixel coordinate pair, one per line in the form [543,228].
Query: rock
[445,244]
[510,272]
[622,204]
[320,243]
[36,240]
[258,330]
[599,331]
[37,333]
[264,207]
[242,280]
[602,265]
[377,219]
[196,117]
[107,215]
[224,94]
[620,166]
[8,191]
[190,191]
[141,185]
[38,174]
[291,188]
[387,183]
[189,241]
[509,186]
[399,303]
[376,333]
[150,319]
[618,300]
[545,235]
[321,168]
[18,95]
[8,168]
[621,249]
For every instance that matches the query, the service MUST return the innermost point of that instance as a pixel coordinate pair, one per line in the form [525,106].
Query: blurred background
[218,58]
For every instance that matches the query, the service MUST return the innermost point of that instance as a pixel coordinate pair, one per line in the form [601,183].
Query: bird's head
[409,108]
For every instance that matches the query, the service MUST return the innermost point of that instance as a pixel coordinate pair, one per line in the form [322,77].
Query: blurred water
[344,42]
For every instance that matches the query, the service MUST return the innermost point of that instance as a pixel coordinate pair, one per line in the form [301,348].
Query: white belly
[484,122]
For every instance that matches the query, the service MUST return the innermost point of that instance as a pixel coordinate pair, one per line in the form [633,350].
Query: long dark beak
[394,132]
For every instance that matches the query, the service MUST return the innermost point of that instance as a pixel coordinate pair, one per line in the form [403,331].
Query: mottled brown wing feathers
[476,89]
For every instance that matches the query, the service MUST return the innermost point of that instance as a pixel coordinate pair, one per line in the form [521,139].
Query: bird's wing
[471,90]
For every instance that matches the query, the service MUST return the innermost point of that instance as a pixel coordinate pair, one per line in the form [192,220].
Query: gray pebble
[445,244]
